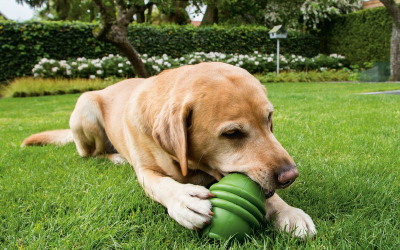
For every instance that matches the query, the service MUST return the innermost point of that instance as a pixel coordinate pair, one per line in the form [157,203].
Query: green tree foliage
[241,11]
[33,3]
[174,11]
[171,11]
[306,13]
[76,10]
[72,10]
[233,11]
[294,14]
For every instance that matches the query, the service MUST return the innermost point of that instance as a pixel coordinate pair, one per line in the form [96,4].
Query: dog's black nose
[287,176]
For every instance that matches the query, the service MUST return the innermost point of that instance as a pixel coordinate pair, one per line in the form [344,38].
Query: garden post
[275,33]
[277,57]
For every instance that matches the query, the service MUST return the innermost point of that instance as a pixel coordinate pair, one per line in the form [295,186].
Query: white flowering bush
[111,65]
[115,65]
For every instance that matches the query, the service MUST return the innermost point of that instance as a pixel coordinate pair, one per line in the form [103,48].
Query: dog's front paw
[295,222]
[190,206]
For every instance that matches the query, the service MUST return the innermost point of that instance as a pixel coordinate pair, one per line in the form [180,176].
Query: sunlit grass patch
[28,86]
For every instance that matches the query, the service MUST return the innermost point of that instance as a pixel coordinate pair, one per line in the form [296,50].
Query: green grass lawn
[346,146]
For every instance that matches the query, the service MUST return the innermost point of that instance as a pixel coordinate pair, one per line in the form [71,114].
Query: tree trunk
[62,8]
[118,37]
[394,11]
[91,8]
[140,17]
[149,12]
[113,30]
[211,15]
[134,57]
[395,54]
[176,13]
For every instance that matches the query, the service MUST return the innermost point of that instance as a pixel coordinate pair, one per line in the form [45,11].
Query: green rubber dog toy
[238,207]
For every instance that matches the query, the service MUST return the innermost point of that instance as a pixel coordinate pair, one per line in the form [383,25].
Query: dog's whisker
[198,163]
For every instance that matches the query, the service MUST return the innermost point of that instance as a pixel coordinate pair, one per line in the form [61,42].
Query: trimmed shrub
[22,45]
[179,40]
[362,36]
[310,76]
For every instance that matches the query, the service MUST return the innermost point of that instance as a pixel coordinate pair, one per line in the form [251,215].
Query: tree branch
[114,30]
[134,9]
[106,22]
[104,12]
[121,5]
[148,5]
[129,14]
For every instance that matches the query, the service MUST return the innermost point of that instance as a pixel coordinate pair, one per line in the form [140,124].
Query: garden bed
[54,77]
[118,66]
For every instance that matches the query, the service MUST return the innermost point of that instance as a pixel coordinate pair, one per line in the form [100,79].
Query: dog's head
[221,119]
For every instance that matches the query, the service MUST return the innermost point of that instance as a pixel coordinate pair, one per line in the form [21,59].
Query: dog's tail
[56,137]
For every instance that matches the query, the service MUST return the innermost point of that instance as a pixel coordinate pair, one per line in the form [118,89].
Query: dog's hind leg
[116,158]
[87,127]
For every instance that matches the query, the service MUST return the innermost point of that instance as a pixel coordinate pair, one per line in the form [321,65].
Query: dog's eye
[269,117]
[233,134]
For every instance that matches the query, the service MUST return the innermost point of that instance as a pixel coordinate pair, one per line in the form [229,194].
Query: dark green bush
[363,36]
[22,45]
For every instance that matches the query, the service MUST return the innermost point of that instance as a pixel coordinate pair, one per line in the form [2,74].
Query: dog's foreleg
[188,204]
[290,219]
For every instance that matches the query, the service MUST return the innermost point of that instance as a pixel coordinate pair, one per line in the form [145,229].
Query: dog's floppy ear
[170,131]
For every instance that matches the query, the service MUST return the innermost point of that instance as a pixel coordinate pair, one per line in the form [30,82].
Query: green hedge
[363,36]
[22,45]
[179,40]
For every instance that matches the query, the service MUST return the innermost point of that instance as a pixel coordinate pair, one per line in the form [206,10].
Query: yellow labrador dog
[182,130]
